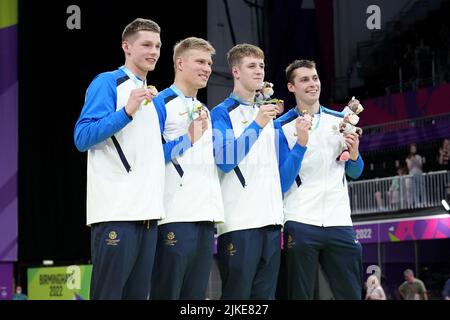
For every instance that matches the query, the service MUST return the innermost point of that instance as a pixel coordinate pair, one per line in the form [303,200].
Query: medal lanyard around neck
[240,100]
[243,102]
[138,82]
[317,115]
[189,106]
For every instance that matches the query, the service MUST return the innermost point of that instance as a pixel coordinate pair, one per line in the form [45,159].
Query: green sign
[59,283]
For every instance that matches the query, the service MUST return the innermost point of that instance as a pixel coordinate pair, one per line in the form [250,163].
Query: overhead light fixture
[446,200]
[445,204]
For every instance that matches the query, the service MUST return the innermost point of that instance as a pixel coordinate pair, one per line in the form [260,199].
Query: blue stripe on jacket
[290,160]
[99,118]
[229,150]
[173,148]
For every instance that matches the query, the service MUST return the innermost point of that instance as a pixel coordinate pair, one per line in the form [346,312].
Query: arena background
[56,64]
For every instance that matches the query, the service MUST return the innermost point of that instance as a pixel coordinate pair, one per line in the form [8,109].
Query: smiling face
[193,67]
[305,84]
[250,73]
[142,51]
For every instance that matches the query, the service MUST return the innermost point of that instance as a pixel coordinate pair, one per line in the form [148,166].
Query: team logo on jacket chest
[290,242]
[230,251]
[170,239]
[112,239]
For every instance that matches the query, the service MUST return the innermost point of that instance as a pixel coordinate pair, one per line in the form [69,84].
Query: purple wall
[8,143]
[6,280]
[423,102]
[426,228]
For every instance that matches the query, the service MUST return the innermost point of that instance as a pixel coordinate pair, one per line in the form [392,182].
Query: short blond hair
[139,24]
[240,51]
[191,43]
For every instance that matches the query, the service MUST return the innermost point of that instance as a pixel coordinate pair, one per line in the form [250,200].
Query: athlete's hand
[302,125]
[197,128]
[266,113]
[352,142]
[136,98]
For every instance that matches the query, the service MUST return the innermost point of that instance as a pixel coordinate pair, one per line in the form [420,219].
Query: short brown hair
[298,64]
[137,25]
[408,272]
[238,52]
[192,43]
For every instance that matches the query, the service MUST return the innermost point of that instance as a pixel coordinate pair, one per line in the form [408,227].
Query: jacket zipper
[121,154]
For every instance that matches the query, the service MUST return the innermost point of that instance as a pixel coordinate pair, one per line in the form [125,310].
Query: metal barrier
[398,193]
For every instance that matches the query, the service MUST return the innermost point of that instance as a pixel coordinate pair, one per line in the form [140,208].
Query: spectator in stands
[378,188]
[414,162]
[19,295]
[412,288]
[374,289]
[446,290]
[378,196]
[398,189]
[444,155]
